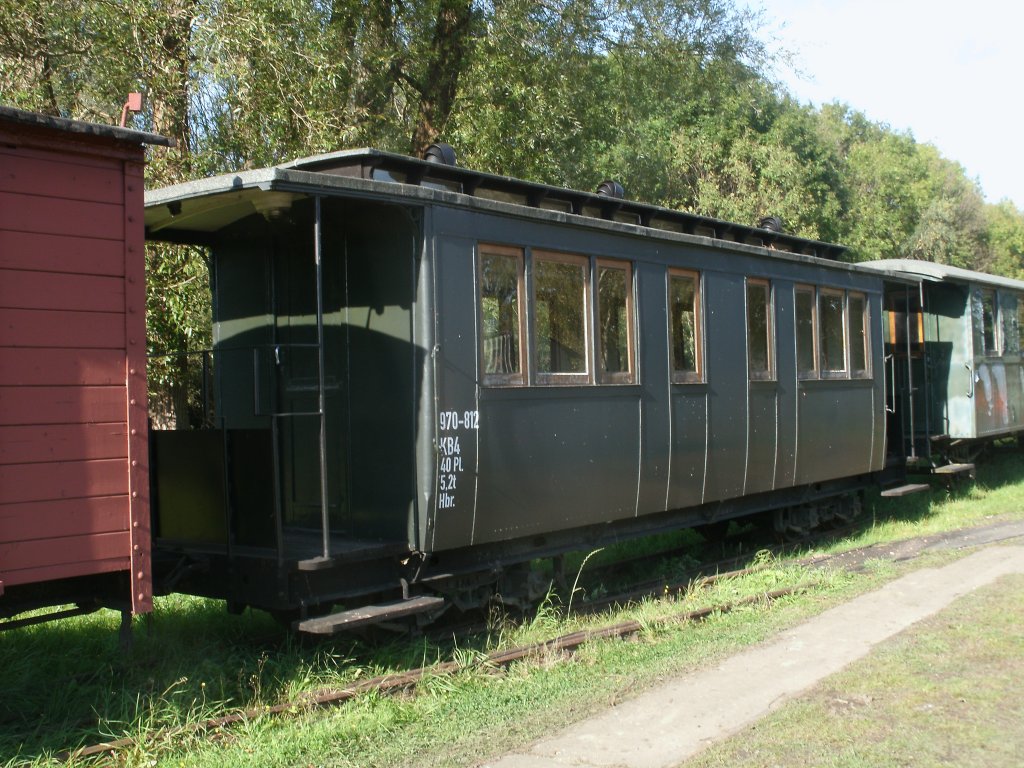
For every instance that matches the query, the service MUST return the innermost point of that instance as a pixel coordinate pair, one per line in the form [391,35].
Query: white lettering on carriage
[452,421]
[449,448]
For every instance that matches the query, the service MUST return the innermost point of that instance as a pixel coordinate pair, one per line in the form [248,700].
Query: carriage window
[759,329]
[1008,329]
[985,316]
[560,306]
[615,321]
[501,290]
[858,317]
[905,318]
[684,326]
[1013,345]
[805,357]
[832,336]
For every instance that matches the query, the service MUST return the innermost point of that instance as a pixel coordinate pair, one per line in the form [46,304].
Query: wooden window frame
[695,376]
[563,379]
[1019,330]
[997,341]
[616,377]
[912,324]
[504,379]
[865,372]
[844,372]
[815,371]
[769,374]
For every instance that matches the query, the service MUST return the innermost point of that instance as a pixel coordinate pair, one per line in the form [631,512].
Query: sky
[950,73]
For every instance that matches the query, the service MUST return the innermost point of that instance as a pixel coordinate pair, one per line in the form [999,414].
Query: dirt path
[676,720]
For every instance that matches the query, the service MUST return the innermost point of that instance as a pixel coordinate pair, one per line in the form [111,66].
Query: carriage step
[905,490]
[955,470]
[368,614]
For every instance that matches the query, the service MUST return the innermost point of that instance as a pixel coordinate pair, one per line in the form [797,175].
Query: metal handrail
[891,359]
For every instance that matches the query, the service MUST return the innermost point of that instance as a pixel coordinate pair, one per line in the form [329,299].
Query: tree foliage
[671,97]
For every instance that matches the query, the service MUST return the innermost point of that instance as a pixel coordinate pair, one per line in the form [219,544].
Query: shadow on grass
[68,684]
[1000,466]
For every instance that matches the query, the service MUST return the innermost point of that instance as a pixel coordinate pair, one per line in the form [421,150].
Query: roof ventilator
[443,154]
[771,223]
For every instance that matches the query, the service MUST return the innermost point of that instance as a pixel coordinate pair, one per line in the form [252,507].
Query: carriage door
[906,383]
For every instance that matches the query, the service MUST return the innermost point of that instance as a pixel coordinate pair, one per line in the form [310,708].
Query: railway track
[398,682]
[708,573]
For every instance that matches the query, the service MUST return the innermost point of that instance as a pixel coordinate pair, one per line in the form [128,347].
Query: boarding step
[369,614]
[905,490]
[955,470]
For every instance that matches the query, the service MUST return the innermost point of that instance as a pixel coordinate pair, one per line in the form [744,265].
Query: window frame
[865,372]
[834,373]
[997,341]
[519,254]
[913,324]
[815,370]
[767,374]
[548,378]
[695,376]
[1019,318]
[614,377]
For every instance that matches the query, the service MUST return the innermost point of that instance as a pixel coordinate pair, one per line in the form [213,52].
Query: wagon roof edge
[366,163]
[82,127]
[941,273]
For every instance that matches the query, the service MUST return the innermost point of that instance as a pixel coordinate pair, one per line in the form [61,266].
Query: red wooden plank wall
[73,457]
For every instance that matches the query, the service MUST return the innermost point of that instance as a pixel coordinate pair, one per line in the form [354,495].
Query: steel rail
[402,681]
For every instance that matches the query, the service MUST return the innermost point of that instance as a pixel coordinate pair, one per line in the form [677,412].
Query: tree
[669,97]
[1006,239]
[445,59]
[884,188]
[951,228]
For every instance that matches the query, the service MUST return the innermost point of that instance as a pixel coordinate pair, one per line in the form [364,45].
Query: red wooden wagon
[74,485]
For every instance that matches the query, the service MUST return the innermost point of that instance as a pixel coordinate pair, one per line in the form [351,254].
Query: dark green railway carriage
[424,375]
[958,334]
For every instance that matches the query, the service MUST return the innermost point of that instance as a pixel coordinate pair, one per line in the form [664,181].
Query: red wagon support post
[74,481]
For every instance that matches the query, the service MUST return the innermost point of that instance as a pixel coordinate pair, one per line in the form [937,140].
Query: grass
[67,683]
[944,693]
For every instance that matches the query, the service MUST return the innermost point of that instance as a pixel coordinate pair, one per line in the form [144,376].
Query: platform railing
[280,374]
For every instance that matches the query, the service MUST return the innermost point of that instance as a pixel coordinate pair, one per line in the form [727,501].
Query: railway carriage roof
[210,204]
[942,273]
[194,211]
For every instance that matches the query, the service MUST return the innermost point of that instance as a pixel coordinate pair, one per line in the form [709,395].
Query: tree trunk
[447,60]
[170,94]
